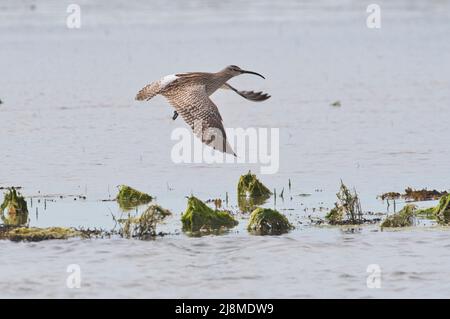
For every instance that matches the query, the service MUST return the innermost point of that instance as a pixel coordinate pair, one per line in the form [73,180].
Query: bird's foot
[175,115]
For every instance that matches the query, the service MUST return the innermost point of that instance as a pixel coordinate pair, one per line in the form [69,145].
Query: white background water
[70,125]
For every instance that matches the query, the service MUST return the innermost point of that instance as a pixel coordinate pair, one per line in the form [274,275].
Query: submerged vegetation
[251,192]
[38,234]
[128,197]
[266,221]
[347,210]
[403,218]
[199,218]
[144,225]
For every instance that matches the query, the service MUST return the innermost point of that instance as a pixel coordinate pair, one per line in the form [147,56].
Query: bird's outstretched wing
[149,91]
[201,114]
[249,95]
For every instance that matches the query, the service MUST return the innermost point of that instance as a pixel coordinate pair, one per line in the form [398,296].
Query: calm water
[70,125]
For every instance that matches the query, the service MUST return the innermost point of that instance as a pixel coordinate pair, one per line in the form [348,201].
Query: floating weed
[347,209]
[34,234]
[144,225]
[336,103]
[38,234]
[415,195]
[422,194]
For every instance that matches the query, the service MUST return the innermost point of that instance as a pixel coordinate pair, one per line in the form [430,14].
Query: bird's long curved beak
[251,72]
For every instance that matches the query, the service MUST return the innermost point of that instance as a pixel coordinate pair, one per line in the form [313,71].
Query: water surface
[70,126]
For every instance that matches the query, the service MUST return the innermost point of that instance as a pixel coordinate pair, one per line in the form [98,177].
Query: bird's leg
[175,115]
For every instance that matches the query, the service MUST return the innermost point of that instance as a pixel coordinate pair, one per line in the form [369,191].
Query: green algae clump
[250,186]
[198,217]
[14,210]
[39,234]
[128,197]
[442,210]
[143,226]
[403,218]
[251,192]
[266,221]
[14,202]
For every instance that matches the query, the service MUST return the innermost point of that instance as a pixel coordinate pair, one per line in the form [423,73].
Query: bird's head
[234,70]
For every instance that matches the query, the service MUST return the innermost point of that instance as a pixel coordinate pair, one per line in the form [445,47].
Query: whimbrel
[189,94]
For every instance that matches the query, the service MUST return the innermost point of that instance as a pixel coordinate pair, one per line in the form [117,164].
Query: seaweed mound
[129,197]
[143,226]
[39,234]
[251,192]
[403,218]
[266,221]
[14,210]
[442,210]
[347,209]
[14,202]
[198,217]
[250,186]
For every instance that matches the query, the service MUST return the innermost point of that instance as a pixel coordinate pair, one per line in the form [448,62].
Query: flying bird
[189,94]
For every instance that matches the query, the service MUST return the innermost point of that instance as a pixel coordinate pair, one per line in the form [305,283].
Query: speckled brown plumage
[189,94]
